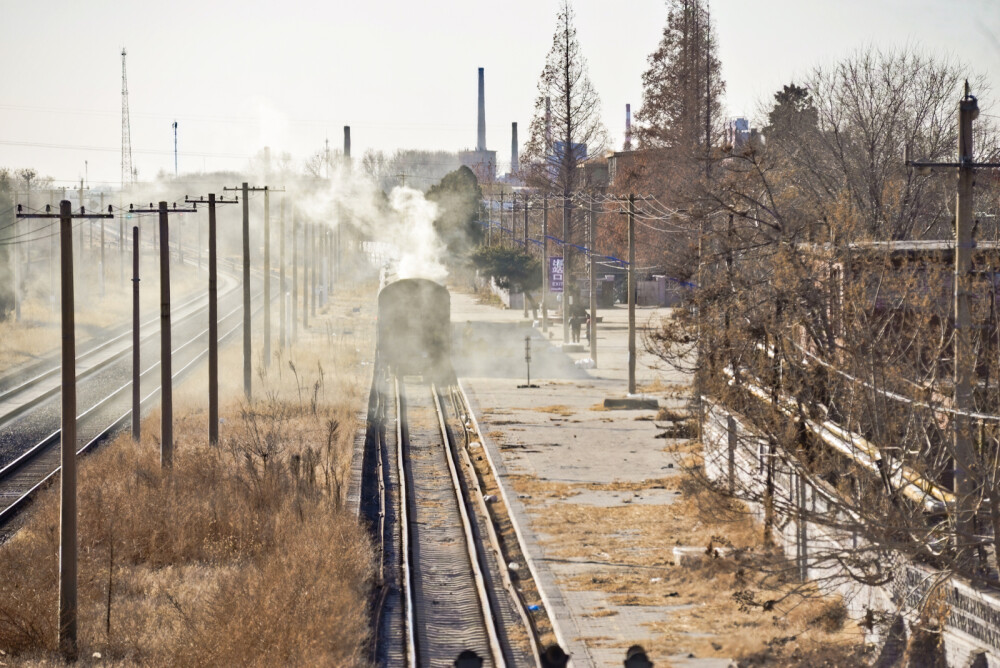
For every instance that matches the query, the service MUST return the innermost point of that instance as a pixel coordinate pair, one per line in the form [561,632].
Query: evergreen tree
[683,87]
[566,127]
[459,199]
[793,114]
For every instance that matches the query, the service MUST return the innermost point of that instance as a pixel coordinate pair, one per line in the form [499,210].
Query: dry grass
[733,607]
[558,409]
[242,555]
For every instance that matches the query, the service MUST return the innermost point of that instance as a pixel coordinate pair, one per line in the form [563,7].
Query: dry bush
[241,555]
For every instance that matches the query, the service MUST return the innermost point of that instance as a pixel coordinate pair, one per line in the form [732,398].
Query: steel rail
[474,547]
[529,562]
[402,431]
[45,445]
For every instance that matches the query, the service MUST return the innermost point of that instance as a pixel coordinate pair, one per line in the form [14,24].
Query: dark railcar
[414,329]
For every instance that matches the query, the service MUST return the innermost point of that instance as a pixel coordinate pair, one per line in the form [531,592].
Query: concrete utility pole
[166,366]
[102,247]
[592,334]
[281,278]
[567,281]
[965,362]
[247,314]
[545,263]
[631,294]
[67,477]
[213,315]
[503,239]
[306,255]
[295,275]
[967,478]
[136,369]
[166,348]
[312,269]
[524,236]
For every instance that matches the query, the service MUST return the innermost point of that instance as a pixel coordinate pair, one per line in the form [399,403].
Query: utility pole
[306,255]
[966,476]
[631,294]
[524,236]
[592,334]
[295,275]
[567,276]
[503,238]
[67,477]
[136,369]
[102,247]
[166,348]
[312,269]
[213,316]
[247,353]
[281,278]
[545,263]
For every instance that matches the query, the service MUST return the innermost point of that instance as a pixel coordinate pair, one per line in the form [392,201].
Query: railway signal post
[67,476]
[213,316]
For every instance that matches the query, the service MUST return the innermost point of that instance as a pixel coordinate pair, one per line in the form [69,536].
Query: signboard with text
[555,274]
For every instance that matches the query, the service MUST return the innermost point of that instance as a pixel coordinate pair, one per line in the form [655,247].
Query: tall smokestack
[628,127]
[347,146]
[481,143]
[513,148]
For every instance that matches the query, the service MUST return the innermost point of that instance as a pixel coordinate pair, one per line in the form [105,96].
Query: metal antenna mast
[128,173]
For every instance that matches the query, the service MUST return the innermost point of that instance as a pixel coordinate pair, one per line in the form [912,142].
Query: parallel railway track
[446,582]
[107,413]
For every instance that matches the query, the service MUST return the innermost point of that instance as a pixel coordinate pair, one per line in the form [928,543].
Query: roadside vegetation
[243,554]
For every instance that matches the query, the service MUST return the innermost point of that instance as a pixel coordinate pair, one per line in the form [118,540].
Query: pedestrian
[574,324]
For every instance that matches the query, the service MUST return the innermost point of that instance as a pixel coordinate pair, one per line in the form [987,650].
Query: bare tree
[566,128]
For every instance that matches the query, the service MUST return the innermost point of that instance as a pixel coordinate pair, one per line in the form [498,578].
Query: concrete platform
[561,449]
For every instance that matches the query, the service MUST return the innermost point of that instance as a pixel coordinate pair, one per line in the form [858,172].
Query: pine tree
[566,128]
[683,87]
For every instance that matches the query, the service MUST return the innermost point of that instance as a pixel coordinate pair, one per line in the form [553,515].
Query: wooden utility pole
[136,370]
[67,434]
[592,326]
[631,294]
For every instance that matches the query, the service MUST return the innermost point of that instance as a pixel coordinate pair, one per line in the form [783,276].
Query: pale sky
[240,75]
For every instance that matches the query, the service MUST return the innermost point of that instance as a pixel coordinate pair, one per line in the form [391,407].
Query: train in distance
[414,330]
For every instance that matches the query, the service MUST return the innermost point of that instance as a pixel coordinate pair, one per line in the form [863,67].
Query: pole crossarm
[175,209]
[49,214]
[202,200]
[255,189]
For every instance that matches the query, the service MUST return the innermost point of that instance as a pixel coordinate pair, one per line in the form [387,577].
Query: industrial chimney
[628,127]
[513,148]
[481,143]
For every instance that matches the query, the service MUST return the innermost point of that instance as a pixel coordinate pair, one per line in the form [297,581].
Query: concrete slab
[558,446]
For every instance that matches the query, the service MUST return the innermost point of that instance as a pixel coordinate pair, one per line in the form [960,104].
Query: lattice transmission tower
[128,172]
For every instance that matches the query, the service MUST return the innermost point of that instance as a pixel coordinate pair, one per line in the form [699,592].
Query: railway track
[108,402]
[453,577]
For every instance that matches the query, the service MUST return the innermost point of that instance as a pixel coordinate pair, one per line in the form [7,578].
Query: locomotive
[414,330]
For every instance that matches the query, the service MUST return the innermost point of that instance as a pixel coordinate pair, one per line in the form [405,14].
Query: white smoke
[419,247]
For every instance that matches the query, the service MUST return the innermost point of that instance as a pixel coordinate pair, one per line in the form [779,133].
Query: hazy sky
[240,75]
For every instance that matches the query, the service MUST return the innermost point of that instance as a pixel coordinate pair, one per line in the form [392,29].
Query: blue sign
[555,274]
